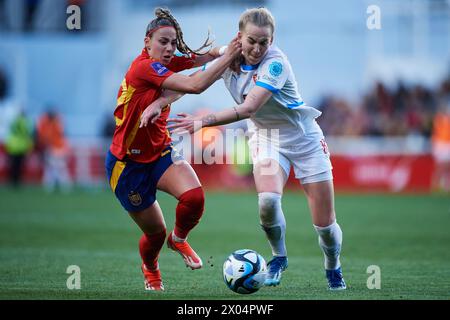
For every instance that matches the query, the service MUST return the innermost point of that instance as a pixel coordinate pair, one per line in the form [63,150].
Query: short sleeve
[153,72]
[272,74]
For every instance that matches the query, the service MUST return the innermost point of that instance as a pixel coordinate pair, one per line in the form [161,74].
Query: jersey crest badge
[135,198]
[159,68]
[275,68]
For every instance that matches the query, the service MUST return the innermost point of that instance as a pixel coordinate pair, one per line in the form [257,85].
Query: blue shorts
[134,183]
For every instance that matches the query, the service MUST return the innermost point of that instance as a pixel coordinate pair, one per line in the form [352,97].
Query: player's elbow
[195,87]
[248,111]
[197,90]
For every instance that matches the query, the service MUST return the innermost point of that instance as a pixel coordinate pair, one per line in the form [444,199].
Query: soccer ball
[244,271]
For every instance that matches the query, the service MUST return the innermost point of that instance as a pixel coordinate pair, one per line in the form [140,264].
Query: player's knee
[268,203]
[193,199]
[324,218]
[152,241]
[160,231]
[154,229]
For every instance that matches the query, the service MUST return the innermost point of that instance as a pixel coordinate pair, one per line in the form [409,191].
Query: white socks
[177,239]
[273,222]
[274,225]
[330,240]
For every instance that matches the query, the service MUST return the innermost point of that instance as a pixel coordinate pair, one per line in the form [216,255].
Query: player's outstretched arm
[153,111]
[214,53]
[257,97]
[200,81]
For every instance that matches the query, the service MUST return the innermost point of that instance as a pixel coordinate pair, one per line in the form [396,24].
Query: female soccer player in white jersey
[266,92]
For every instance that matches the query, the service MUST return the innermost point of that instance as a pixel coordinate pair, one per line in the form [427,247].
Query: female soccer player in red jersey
[141,159]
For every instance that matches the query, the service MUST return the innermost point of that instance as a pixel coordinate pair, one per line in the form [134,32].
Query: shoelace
[275,265]
[184,248]
[335,277]
[154,277]
[182,245]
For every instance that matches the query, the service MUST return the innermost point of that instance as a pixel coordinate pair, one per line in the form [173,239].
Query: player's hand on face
[185,123]
[151,113]
[234,48]
[237,53]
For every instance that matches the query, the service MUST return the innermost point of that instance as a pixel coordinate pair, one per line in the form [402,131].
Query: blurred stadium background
[385,98]
[379,90]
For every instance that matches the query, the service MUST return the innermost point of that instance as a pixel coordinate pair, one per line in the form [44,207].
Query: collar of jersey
[249,67]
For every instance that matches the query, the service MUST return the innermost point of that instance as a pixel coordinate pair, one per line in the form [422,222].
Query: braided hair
[165,18]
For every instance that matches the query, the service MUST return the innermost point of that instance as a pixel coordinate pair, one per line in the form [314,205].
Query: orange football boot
[152,279]
[191,258]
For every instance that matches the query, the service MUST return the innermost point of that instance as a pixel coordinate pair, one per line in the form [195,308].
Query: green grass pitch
[42,234]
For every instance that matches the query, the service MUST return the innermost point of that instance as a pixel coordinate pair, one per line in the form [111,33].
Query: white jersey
[298,139]
[285,110]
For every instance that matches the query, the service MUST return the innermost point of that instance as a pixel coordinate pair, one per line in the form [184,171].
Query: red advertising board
[391,173]
[384,173]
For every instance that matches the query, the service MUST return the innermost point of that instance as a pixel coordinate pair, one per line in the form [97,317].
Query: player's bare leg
[180,181]
[151,222]
[270,179]
[320,197]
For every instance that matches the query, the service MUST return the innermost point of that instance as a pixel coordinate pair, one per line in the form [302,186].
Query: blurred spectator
[3,85]
[8,107]
[3,21]
[242,165]
[55,150]
[441,147]
[30,9]
[384,112]
[18,143]
[107,132]
[108,128]
[79,3]
[46,15]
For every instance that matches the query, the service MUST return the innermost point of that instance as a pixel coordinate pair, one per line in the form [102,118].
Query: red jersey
[140,87]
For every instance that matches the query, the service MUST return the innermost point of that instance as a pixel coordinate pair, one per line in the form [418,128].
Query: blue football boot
[335,279]
[276,266]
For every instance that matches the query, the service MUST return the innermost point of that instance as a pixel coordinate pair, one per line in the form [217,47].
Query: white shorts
[309,156]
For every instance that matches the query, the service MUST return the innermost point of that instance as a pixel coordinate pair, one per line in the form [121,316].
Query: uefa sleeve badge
[275,68]
[159,68]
